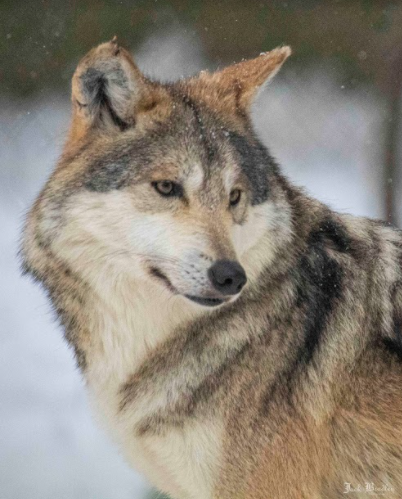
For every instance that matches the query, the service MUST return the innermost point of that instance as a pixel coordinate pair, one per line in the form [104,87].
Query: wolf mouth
[200,300]
[207,302]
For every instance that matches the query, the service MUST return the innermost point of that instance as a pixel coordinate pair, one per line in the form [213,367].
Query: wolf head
[163,182]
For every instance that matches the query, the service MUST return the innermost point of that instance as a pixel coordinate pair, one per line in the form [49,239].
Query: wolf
[238,339]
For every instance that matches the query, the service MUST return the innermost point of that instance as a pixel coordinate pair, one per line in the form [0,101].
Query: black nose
[228,277]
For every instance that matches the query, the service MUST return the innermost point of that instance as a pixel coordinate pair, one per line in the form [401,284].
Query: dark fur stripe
[318,281]
[394,343]
[116,169]
[176,415]
[105,176]
[256,164]
[95,86]
[393,347]
[333,231]
[318,287]
[210,148]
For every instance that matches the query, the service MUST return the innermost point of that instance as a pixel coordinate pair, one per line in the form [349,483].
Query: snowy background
[327,139]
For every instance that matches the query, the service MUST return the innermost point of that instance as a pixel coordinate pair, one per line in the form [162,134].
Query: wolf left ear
[107,89]
[238,85]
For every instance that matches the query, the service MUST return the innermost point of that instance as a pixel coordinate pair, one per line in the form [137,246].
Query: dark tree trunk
[393,129]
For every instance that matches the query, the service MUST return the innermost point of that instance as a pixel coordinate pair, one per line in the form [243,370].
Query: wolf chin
[238,338]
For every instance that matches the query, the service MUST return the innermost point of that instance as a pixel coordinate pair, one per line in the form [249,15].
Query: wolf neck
[129,320]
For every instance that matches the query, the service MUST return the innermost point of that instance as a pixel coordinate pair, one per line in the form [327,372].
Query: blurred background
[331,117]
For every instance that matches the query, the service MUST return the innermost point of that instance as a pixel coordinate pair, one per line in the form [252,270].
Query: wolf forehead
[191,135]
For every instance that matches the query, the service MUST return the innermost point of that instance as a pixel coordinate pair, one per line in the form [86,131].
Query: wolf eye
[167,188]
[235,197]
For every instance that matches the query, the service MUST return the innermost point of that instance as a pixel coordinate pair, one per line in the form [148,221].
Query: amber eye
[167,188]
[235,197]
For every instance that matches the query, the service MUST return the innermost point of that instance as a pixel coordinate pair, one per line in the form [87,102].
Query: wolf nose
[228,277]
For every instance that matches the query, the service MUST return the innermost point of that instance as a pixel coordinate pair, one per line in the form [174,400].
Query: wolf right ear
[234,88]
[107,89]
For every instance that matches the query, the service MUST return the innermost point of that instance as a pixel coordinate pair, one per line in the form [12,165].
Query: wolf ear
[107,89]
[238,85]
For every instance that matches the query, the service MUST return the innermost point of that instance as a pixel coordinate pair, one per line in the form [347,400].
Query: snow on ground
[50,447]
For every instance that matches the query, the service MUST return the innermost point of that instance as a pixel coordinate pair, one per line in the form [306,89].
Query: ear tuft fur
[107,88]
